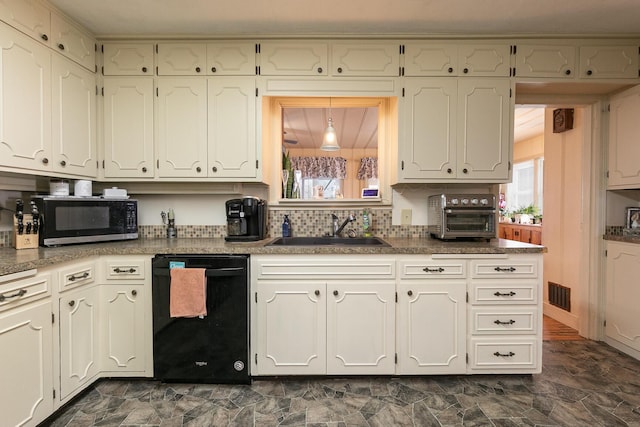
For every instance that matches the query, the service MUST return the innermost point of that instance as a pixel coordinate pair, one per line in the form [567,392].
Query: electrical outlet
[405,217]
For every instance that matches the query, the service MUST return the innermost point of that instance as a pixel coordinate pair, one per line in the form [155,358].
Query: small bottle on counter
[286,227]
[366,223]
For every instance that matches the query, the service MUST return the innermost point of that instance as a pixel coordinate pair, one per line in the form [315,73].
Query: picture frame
[633,219]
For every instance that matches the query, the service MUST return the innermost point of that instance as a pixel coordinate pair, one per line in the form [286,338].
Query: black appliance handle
[209,272]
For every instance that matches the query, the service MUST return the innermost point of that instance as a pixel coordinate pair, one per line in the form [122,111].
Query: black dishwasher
[209,349]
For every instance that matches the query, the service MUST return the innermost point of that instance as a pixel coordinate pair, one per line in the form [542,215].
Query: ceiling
[353,17]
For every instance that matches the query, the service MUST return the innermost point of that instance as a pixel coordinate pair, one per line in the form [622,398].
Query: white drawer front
[19,292]
[504,292]
[428,269]
[76,275]
[503,353]
[503,268]
[329,268]
[125,269]
[503,321]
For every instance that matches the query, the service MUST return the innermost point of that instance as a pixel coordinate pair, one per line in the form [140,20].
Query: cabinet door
[609,62]
[73,42]
[484,129]
[128,127]
[484,60]
[360,328]
[623,294]
[181,59]
[27,16]
[363,59]
[231,59]
[291,319]
[79,339]
[182,127]
[557,61]
[430,59]
[123,328]
[432,327]
[428,148]
[536,237]
[293,59]
[26,372]
[74,119]
[128,59]
[25,94]
[624,150]
[232,127]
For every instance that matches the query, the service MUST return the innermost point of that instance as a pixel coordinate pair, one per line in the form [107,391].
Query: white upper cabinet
[365,59]
[231,59]
[448,59]
[25,94]
[231,130]
[293,58]
[128,127]
[624,150]
[608,62]
[128,59]
[73,119]
[73,42]
[182,127]
[181,59]
[28,16]
[540,60]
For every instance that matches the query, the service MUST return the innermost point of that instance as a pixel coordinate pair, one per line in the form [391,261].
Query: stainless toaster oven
[454,216]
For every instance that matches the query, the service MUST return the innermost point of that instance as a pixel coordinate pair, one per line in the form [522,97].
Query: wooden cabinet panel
[521,232]
[557,61]
[127,59]
[608,62]
[231,59]
[624,150]
[28,16]
[292,58]
[73,42]
[181,59]
[365,59]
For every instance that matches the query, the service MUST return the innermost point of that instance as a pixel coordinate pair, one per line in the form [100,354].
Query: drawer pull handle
[511,269]
[498,354]
[510,322]
[18,294]
[505,294]
[433,270]
[119,270]
[79,277]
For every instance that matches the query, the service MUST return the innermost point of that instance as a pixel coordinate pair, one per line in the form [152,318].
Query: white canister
[83,188]
[59,187]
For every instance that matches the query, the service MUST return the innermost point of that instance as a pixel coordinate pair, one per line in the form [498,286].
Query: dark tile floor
[583,383]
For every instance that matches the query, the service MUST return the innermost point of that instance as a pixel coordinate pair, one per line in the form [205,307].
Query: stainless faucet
[337,229]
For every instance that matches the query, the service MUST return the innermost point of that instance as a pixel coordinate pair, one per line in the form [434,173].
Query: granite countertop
[623,238]
[13,261]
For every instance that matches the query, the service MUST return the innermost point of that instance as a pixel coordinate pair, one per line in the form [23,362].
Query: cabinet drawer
[76,275]
[124,269]
[504,354]
[496,320]
[428,269]
[500,268]
[292,267]
[504,292]
[18,289]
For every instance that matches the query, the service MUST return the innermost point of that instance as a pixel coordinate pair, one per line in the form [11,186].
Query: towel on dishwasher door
[188,293]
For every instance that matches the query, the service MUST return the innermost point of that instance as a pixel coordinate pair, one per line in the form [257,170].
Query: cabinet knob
[214,168]
[339,69]
[335,293]
[134,292]
[60,46]
[317,292]
[410,293]
[450,70]
[197,69]
[589,72]
[568,72]
[198,169]
[465,170]
[144,169]
[144,69]
[72,303]
[449,170]
[466,71]
[63,163]
[44,37]
[45,161]
[319,70]
[214,69]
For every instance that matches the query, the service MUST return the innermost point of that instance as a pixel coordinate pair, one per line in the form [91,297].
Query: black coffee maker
[246,219]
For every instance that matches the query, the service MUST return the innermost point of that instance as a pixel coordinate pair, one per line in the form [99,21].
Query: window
[526,186]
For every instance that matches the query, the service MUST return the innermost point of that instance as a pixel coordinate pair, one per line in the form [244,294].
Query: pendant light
[330,139]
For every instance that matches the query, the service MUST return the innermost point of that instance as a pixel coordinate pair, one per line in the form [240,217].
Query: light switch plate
[405,217]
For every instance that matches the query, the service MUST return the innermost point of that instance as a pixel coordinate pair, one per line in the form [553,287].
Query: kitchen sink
[328,241]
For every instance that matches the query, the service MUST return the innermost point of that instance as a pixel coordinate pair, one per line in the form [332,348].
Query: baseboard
[623,348]
[560,315]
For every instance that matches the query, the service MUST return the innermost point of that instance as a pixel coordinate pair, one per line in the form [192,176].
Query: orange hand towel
[188,293]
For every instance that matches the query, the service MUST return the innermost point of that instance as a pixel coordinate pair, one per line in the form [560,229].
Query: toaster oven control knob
[454,201]
[484,202]
[465,201]
[474,201]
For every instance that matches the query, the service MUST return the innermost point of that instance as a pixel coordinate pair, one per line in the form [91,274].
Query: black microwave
[69,220]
